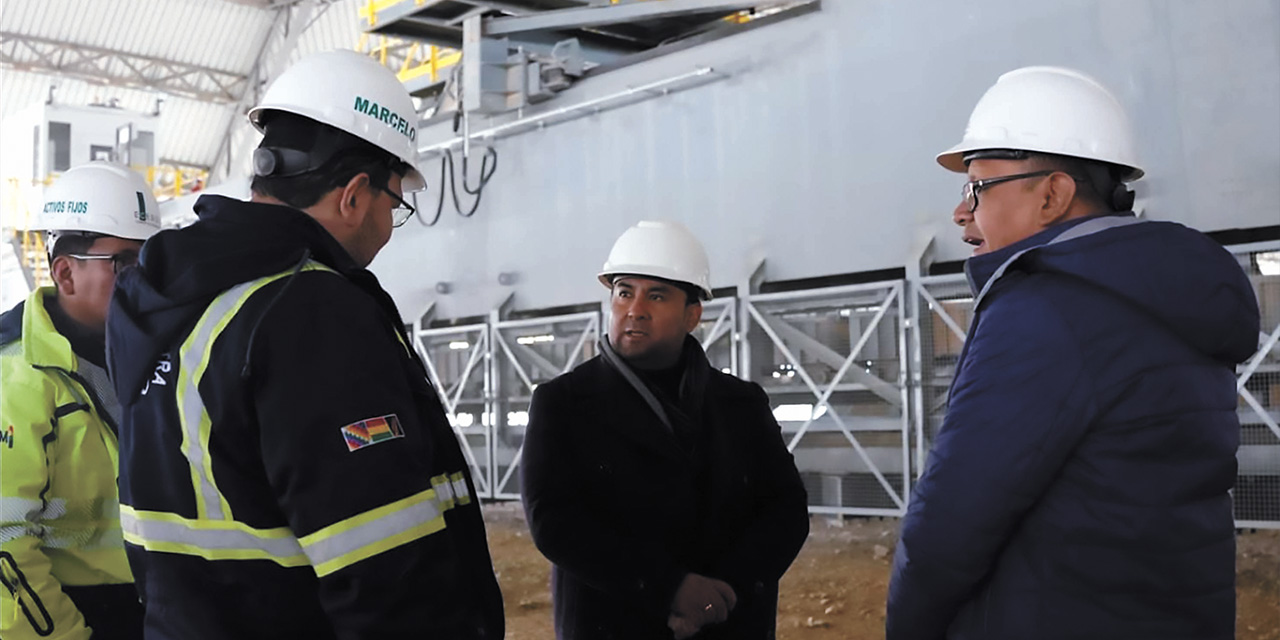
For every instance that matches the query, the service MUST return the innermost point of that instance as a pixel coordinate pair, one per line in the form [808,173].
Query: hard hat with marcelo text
[352,93]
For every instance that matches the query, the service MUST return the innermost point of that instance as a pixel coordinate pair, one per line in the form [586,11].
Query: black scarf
[682,414]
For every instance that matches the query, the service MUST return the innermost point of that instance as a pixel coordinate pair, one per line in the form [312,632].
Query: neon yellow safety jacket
[62,561]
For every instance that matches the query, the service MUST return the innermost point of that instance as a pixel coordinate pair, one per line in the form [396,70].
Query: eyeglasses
[402,211]
[972,188]
[119,261]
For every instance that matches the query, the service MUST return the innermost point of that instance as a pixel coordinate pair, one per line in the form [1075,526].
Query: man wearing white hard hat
[287,470]
[659,487]
[1079,484]
[62,558]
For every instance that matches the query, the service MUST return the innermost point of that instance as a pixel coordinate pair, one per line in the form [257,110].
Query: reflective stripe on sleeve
[210,539]
[363,536]
[460,488]
[327,550]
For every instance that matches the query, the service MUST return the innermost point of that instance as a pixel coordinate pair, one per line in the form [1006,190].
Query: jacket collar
[42,345]
[686,408]
[984,270]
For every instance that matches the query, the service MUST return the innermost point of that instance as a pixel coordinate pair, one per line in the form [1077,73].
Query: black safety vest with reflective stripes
[251,506]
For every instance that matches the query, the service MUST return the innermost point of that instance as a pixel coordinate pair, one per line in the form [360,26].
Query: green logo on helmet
[66,206]
[387,116]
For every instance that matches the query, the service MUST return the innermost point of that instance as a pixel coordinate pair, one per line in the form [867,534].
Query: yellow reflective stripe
[404,344]
[366,535]
[193,416]
[330,549]
[444,492]
[210,539]
[192,412]
[460,488]
[372,532]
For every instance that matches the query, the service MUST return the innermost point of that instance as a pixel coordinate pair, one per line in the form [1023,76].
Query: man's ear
[692,316]
[355,199]
[61,272]
[1060,191]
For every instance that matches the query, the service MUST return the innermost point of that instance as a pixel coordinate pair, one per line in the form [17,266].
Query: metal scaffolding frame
[1265,366]
[476,337]
[719,326]
[922,369]
[789,341]
[932,315]
[522,359]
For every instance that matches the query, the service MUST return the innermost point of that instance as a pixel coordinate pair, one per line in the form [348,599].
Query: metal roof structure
[440,21]
[200,63]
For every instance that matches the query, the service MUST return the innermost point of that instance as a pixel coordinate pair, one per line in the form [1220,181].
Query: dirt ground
[836,588]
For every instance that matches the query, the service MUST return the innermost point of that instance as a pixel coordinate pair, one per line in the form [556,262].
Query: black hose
[488,165]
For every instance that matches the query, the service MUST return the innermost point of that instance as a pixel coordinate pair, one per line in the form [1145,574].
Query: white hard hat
[659,249]
[100,197]
[1049,110]
[352,93]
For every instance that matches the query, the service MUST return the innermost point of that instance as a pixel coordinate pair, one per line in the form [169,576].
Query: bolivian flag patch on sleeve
[372,431]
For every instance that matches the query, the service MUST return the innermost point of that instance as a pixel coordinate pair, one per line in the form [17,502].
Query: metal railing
[858,377]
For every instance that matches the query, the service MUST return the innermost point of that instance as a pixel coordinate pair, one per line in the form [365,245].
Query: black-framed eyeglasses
[402,211]
[973,187]
[119,260]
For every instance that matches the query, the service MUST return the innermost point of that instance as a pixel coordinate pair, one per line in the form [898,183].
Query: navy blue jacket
[1078,487]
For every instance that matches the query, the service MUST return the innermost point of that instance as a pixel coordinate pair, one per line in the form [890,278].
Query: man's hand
[701,601]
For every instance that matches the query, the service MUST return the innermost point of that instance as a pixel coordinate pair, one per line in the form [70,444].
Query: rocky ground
[836,588]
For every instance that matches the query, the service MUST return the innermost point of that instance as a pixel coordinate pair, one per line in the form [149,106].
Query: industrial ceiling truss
[119,68]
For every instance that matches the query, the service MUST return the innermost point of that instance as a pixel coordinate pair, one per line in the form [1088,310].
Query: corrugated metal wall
[816,153]
[215,34]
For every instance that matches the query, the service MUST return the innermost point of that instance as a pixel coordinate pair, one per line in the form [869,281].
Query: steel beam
[119,68]
[888,392]
[286,29]
[587,17]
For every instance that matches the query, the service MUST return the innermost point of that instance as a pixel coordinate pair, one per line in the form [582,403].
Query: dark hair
[348,157]
[692,294]
[1097,183]
[73,243]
